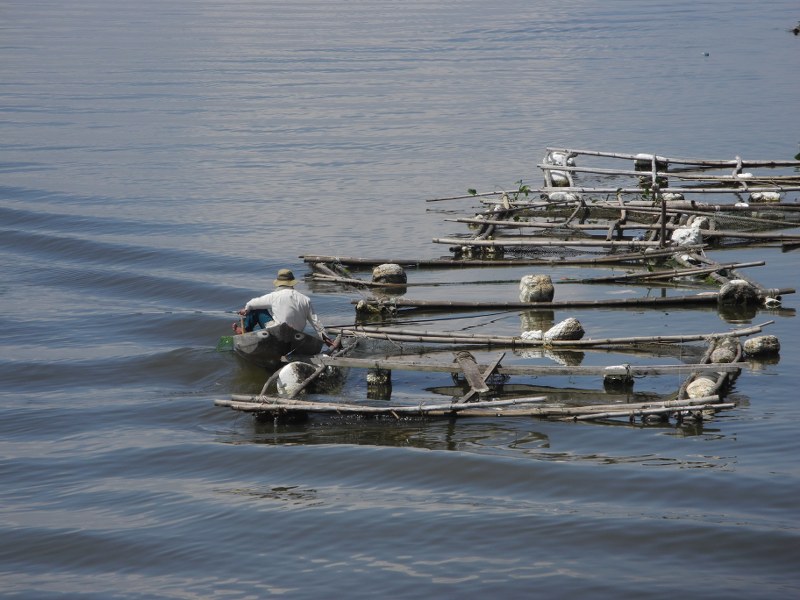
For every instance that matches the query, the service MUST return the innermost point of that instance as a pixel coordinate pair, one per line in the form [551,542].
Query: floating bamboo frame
[625,370]
[646,212]
[411,335]
[704,298]
[275,405]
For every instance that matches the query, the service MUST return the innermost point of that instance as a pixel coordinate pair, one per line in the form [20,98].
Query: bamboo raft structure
[475,401]
[394,334]
[392,305]
[355,262]
[644,201]
[270,406]
[582,216]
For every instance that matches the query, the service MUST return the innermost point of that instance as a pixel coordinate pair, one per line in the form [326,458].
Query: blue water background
[160,160]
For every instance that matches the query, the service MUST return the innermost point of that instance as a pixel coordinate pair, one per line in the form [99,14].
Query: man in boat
[284,305]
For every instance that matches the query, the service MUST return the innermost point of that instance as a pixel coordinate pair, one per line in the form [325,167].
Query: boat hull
[268,347]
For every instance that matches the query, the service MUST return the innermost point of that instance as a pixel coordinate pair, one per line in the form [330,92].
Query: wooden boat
[270,347]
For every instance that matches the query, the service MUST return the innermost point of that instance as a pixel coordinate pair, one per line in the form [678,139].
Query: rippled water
[159,161]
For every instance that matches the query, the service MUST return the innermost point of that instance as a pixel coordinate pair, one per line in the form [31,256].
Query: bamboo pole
[446,263]
[635,226]
[665,274]
[650,411]
[683,161]
[443,337]
[671,174]
[678,338]
[273,403]
[703,298]
[661,274]
[638,191]
[600,408]
[536,370]
[716,233]
[361,283]
[706,210]
[256,404]
[757,179]
[495,408]
[656,302]
[375,284]
[475,195]
[531,241]
[715,189]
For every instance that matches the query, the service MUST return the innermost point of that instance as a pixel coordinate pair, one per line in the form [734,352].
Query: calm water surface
[159,161]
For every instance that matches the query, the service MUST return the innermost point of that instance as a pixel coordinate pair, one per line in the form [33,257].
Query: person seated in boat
[284,305]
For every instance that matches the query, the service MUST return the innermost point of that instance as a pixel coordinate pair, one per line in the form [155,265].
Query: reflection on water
[567,358]
[518,436]
[532,320]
